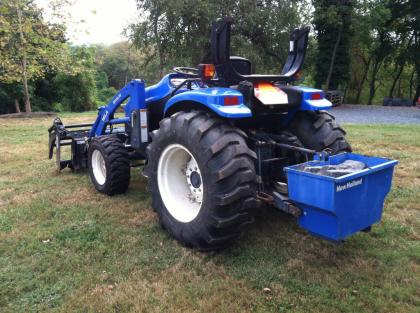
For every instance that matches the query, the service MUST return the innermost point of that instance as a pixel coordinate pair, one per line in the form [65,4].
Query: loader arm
[135,113]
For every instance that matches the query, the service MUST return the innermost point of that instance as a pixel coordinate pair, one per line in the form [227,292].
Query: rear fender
[308,103]
[212,99]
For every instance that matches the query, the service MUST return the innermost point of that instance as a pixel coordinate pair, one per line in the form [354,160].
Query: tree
[77,91]
[264,28]
[10,95]
[177,32]
[372,47]
[29,46]
[174,30]
[333,24]
[400,61]
[121,62]
[406,23]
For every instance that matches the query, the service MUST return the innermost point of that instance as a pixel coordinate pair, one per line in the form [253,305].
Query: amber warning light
[206,71]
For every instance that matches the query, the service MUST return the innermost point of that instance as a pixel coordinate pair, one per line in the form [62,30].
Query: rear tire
[227,179]
[318,130]
[109,165]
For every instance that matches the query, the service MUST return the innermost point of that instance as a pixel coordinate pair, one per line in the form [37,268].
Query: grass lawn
[65,247]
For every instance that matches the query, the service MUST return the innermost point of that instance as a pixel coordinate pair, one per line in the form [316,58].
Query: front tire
[202,178]
[109,165]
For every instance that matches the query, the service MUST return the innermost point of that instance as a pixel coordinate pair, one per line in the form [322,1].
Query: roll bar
[220,51]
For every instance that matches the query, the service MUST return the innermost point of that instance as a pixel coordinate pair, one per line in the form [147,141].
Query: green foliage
[40,103]
[57,107]
[8,94]
[120,62]
[42,45]
[406,23]
[78,92]
[177,33]
[384,51]
[105,95]
[29,46]
[377,54]
[332,20]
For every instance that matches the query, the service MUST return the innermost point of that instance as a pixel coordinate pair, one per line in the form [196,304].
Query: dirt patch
[176,289]
[28,115]
[146,216]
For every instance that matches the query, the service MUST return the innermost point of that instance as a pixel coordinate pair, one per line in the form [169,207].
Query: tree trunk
[340,30]
[411,82]
[17,108]
[372,88]
[127,70]
[399,94]
[158,44]
[346,89]
[394,83]
[417,94]
[362,82]
[26,98]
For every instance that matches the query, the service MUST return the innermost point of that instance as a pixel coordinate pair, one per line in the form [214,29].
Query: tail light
[316,96]
[270,94]
[231,100]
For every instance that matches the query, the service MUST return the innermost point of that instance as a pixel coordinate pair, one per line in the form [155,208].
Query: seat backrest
[241,65]
[226,66]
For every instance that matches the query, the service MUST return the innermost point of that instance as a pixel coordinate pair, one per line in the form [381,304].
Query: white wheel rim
[98,167]
[180,183]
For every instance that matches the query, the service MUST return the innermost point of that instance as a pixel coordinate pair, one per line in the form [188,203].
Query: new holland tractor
[218,141]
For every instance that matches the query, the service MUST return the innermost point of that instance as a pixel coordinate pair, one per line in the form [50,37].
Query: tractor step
[283,203]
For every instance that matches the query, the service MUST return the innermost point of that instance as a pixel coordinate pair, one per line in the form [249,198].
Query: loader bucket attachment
[74,136]
[220,51]
[52,134]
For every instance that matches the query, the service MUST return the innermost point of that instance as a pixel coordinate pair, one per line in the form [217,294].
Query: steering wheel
[186,71]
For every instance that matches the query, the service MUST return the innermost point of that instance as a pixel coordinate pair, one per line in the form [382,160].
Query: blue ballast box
[335,208]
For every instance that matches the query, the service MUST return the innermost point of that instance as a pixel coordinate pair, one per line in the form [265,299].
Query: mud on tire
[227,172]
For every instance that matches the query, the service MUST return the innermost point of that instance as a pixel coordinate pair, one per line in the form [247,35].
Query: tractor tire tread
[318,130]
[117,163]
[231,178]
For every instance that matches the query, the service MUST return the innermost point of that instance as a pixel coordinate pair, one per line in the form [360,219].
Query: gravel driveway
[375,114]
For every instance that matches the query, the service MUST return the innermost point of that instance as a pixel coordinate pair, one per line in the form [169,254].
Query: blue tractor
[214,141]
